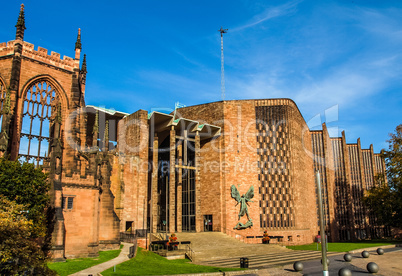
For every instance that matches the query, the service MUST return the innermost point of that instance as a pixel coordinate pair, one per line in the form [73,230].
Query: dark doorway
[208,223]
[129,225]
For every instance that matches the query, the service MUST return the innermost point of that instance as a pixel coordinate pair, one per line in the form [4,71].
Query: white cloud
[268,14]
[384,23]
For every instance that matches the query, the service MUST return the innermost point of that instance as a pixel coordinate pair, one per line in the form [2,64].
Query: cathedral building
[239,167]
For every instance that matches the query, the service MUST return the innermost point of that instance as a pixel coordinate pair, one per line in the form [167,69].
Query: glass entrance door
[188,200]
[208,223]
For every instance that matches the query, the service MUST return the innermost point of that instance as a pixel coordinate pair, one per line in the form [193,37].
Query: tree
[384,200]
[25,232]
[26,185]
[19,253]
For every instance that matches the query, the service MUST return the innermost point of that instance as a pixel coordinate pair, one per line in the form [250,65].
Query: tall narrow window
[2,101]
[188,200]
[38,115]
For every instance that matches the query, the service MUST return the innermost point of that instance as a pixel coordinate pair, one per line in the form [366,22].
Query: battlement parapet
[41,54]
[76,178]
[7,48]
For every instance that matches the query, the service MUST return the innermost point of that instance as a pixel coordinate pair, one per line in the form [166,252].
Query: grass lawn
[148,263]
[75,265]
[341,246]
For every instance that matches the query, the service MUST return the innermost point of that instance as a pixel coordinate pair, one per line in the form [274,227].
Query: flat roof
[162,122]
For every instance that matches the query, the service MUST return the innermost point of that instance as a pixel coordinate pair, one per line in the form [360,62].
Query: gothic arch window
[2,101]
[38,115]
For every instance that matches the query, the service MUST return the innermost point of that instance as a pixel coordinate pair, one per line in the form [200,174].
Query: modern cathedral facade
[239,167]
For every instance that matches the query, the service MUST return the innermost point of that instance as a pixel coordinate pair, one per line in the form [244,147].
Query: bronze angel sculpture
[243,200]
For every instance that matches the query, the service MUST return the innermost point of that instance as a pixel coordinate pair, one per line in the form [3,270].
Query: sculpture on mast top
[222,31]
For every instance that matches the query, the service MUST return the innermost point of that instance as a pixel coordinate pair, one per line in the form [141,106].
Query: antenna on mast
[222,31]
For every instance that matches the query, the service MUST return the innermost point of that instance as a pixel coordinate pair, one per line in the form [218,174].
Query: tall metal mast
[222,31]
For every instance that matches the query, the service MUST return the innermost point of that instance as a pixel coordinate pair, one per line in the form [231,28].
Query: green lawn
[340,246]
[75,265]
[148,263]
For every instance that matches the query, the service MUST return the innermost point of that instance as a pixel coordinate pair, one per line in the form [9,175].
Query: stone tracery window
[2,101]
[38,114]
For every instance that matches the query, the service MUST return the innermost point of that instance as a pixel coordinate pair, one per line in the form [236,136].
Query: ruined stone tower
[42,122]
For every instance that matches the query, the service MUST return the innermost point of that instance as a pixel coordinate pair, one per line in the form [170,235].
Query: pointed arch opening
[38,116]
[3,94]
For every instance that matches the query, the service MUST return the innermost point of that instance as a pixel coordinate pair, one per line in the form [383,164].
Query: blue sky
[340,61]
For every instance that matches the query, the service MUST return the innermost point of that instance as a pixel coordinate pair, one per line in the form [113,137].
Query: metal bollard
[243,262]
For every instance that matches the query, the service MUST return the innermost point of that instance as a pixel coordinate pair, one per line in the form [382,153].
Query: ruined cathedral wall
[81,223]
[37,65]
[129,179]
[5,66]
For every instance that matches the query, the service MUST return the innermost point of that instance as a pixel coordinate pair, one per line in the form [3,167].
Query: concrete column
[172,182]
[199,222]
[330,173]
[348,184]
[179,188]
[384,168]
[154,187]
[361,166]
[373,168]
[363,186]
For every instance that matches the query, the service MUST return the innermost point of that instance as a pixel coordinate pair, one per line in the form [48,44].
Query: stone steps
[259,261]
[219,249]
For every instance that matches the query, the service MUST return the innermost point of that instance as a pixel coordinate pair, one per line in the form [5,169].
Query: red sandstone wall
[302,175]
[130,171]
[237,164]
[82,221]
[81,237]
[211,176]
[241,156]
[5,70]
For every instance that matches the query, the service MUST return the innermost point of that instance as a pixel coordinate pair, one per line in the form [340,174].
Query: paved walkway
[94,270]
[390,265]
[218,249]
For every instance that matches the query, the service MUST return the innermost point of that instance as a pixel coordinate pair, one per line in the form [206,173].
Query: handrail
[189,252]
[129,237]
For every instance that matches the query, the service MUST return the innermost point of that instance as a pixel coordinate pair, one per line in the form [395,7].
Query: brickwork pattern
[238,163]
[276,202]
